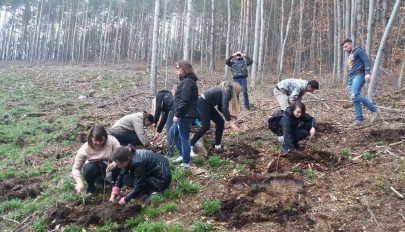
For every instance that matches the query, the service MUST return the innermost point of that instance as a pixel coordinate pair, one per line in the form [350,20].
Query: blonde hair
[236,89]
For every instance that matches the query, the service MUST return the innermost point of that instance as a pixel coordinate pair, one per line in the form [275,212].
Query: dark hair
[296,105]
[97,132]
[314,84]
[346,41]
[123,153]
[186,66]
[148,117]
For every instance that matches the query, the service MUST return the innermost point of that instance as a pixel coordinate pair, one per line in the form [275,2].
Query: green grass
[172,194]
[215,161]
[309,173]
[259,143]
[240,168]
[180,174]
[153,212]
[39,226]
[198,161]
[135,221]
[367,155]
[187,187]
[72,229]
[345,152]
[210,207]
[202,227]
[152,227]
[109,226]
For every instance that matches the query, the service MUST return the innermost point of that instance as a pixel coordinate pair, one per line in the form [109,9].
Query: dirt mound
[20,188]
[243,154]
[389,135]
[296,161]
[277,198]
[327,128]
[92,213]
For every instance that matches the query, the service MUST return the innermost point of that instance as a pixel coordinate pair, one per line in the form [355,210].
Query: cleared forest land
[342,180]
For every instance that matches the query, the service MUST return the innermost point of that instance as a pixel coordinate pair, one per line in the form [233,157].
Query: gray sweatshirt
[295,88]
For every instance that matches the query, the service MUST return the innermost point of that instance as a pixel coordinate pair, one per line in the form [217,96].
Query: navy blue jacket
[186,97]
[165,104]
[358,62]
[215,96]
[239,66]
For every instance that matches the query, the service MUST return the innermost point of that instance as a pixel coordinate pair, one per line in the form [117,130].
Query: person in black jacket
[222,97]
[142,170]
[164,111]
[239,63]
[185,110]
[295,126]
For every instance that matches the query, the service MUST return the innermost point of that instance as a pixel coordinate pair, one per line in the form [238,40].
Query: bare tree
[212,64]
[374,72]
[153,68]
[285,41]
[256,43]
[370,25]
[228,34]
[187,31]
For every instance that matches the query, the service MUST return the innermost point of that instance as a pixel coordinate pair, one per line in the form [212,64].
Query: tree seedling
[367,155]
[345,152]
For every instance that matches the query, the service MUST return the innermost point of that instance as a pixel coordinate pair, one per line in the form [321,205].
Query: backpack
[274,122]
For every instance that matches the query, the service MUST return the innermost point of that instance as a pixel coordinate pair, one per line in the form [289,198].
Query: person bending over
[130,128]
[290,90]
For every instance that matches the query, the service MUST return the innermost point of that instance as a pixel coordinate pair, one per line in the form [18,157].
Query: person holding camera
[238,63]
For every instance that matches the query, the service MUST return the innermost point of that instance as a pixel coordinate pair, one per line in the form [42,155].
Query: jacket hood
[191,76]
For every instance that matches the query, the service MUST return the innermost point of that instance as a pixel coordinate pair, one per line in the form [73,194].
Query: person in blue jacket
[359,73]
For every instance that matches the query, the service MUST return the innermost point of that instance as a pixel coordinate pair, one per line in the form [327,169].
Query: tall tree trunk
[374,72]
[153,68]
[312,44]
[262,42]
[256,43]
[187,31]
[339,35]
[335,40]
[298,52]
[212,64]
[353,22]
[285,40]
[228,35]
[370,23]
[401,75]
[247,27]
[202,38]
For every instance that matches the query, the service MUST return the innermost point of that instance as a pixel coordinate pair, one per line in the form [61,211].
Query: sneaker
[192,154]
[88,194]
[356,123]
[281,139]
[178,160]
[184,165]
[218,146]
[375,116]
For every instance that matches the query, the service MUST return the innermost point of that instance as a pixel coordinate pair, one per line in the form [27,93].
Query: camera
[238,54]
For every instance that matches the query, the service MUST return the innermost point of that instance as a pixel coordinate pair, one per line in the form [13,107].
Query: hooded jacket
[186,97]
[239,66]
[165,104]
[150,172]
[216,96]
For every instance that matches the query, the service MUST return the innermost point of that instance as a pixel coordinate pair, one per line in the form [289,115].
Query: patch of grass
[345,152]
[309,173]
[176,228]
[202,227]
[215,161]
[39,226]
[172,194]
[367,155]
[380,143]
[168,208]
[134,221]
[296,168]
[240,168]
[7,174]
[198,161]
[109,226]
[11,204]
[210,207]
[259,143]
[67,185]
[275,148]
[156,199]
[72,229]
[187,187]
[179,174]
[152,227]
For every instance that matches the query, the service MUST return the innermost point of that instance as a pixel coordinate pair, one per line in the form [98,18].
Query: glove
[122,201]
[116,191]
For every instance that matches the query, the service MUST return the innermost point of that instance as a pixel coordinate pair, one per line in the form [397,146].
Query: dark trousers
[298,134]
[151,183]
[243,83]
[208,113]
[126,138]
[95,172]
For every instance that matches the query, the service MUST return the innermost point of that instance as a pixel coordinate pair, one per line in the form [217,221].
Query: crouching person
[293,126]
[142,170]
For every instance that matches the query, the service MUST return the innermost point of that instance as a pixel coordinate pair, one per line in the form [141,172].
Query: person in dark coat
[164,111]
[295,126]
[185,110]
[142,170]
[225,98]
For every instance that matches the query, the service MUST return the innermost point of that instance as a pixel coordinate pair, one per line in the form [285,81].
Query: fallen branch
[11,220]
[396,192]
[396,143]
[390,109]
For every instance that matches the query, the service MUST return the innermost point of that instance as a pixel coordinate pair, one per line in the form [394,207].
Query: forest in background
[292,36]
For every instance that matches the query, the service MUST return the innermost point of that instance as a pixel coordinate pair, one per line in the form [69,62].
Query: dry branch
[396,192]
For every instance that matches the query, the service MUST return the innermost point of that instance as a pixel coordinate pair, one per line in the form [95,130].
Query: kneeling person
[129,129]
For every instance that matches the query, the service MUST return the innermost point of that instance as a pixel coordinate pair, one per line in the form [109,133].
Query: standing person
[294,126]
[225,98]
[142,170]
[238,63]
[129,129]
[290,90]
[164,105]
[185,110]
[95,157]
[359,73]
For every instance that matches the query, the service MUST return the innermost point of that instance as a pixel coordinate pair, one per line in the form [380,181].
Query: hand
[79,187]
[312,132]
[368,78]
[156,137]
[112,198]
[122,201]
[175,119]
[233,126]
[111,167]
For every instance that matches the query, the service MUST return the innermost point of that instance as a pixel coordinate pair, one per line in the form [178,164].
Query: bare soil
[20,188]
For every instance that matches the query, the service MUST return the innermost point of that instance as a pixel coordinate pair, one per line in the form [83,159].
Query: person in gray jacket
[289,91]
[239,63]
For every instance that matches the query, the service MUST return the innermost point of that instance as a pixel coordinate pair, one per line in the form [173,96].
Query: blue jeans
[169,137]
[180,131]
[355,85]
[243,84]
